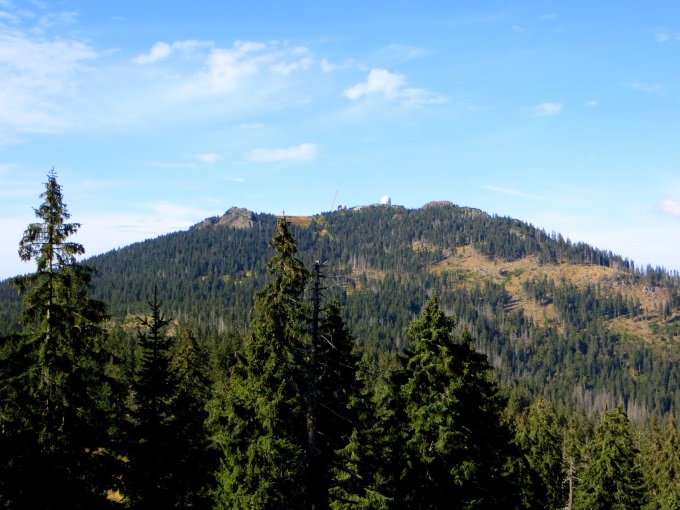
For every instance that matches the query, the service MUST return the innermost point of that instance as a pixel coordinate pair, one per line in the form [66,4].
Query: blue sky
[156,115]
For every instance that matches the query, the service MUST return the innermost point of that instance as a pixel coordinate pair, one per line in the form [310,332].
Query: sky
[156,115]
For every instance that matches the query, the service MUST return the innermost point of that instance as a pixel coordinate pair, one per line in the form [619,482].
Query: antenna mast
[334,197]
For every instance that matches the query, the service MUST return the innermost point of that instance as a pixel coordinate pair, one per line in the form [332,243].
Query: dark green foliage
[258,416]
[150,481]
[612,478]
[332,386]
[56,400]
[453,444]
[196,460]
[170,461]
[661,466]
[365,477]
[541,438]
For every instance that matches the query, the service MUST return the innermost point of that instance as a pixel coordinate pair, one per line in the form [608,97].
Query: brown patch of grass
[474,268]
[299,221]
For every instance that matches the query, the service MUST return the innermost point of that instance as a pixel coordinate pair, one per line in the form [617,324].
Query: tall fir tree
[612,478]
[454,446]
[259,416]
[56,398]
[332,387]
[170,461]
[196,459]
[365,476]
[540,437]
[150,478]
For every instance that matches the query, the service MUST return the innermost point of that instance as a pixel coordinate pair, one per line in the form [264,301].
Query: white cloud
[508,191]
[664,37]
[327,67]
[8,17]
[233,179]
[395,54]
[517,28]
[226,67]
[546,17]
[648,88]
[162,50]
[379,81]
[391,86]
[53,19]
[103,232]
[285,68]
[302,152]
[209,157]
[546,109]
[159,51]
[670,207]
[592,103]
[36,75]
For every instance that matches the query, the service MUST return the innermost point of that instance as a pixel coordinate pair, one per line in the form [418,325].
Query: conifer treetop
[46,241]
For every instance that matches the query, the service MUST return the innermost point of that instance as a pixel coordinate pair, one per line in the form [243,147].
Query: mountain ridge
[563,319]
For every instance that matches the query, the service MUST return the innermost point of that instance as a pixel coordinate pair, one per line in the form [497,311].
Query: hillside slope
[561,319]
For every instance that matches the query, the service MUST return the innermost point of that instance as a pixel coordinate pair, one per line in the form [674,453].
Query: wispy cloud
[592,103]
[233,179]
[513,192]
[393,55]
[328,67]
[302,152]
[302,60]
[391,86]
[209,158]
[546,109]
[53,19]
[648,88]
[664,37]
[36,72]
[517,28]
[162,50]
[670,207]
[547,17]
[226,69]
[8,17]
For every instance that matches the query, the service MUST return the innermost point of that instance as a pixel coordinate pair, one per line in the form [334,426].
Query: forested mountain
[563,320]
[378,357]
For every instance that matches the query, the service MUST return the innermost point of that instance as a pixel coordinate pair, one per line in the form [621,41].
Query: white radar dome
[386,200]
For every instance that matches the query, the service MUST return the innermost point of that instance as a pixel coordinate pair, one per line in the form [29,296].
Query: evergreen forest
[376,357]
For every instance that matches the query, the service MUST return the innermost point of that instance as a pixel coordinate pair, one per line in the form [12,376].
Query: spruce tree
[612,478]
[150,481]
[540,437]
[259,414]
[366,476]
[55,395]
[454,446]
[196,460]
[337,389]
